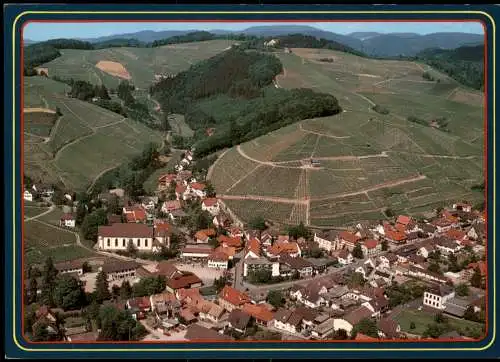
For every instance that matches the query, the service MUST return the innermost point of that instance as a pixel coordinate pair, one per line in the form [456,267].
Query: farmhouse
[135,214]
[211,205]
[117,270]
[196,251]
[437,296]
[371,247]
[348,239]
[251,264]
[28,196]
[121,236]
[197,189]
[70,267]
[170,206]
[230,298]
[67,220]
[327,240]
[260,313]
[284,247]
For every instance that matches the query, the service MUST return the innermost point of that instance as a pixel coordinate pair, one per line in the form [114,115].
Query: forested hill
[233,92]
[464,64]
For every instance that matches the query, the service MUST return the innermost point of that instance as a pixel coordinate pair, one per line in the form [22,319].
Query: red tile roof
[201,235]
[183,281]
[198,186]
[364,337]
[218,256]
[349,237]
[403,219]
[162,228]
[180,189]
[67,217]
[135,214]
[228,241]
[283,247]
[172,205]
[259,312]
[371,243]
[456,234]
[233,296]
[253,245]
[401,228]
[229,251]
[126,230]
[209,201]
[167,178]
[395,235]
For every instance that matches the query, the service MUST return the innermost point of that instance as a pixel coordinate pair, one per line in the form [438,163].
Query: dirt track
[113,68]
[44,110]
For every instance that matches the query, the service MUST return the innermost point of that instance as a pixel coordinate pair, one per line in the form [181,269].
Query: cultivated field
[42,241]
[366,162]
[141,64]
[84,142]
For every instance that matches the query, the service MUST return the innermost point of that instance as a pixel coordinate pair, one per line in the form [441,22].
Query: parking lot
[206,274]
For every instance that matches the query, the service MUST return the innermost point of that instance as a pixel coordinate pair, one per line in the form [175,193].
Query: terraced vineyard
[364,162]
[82,143]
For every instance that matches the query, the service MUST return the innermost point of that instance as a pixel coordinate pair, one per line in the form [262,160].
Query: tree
[58,197]
[440,318]
[385,245]
[389,212]
[86,267]
[257,223]
[41,333]
[366,326]
[115,292]
[462,290]
[81,212]
[199,220]
[356,279]
[209,189]
[125,290]
[316,252]
[131,248]
[114,206]
[434,268]
[412,325]
[48,283]
[299,231]
[171,195]
[275,298]
[92,222]
[103,93]
[340,334]
[58,112]
[32,291]
[220,283]
[452,263]
[476,280]
[102,287]
[150,285]
[260,276]
[69,293]
[357,252]
[434,330]
[117,325]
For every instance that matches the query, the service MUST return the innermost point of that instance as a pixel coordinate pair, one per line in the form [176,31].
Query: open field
[179,126]
[42,241]
[83,142]
[39,123]
[141,63]
[365,161]
[423,318]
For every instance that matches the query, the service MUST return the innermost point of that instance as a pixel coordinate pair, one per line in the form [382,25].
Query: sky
[45,31]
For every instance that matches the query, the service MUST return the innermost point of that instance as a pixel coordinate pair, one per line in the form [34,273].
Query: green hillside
[367,161]
[141,63]
[82,143]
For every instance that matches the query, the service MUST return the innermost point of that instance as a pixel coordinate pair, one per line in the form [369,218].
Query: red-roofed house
[170,206]
[218,260]
[203,236]
[260,313]
[394,236]
[135,214]
[457,235]
[229,251]
[211,205]
[290,248]
[186,280]
[230,298]
[165,180]
[252,249]
[371,247]
[403,219]
[227,241]
[67,220]
[197,189]
[235,232]
[483,268]
[180,192]
[348,239]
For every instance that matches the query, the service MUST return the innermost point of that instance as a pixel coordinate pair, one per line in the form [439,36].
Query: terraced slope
[365,162]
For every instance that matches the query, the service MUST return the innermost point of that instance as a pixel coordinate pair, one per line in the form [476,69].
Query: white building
[345,257]
[28,196]
[211,205]
[437,296]
[119,236]
[327,240]
[260,263]
[67,220]
[218,260]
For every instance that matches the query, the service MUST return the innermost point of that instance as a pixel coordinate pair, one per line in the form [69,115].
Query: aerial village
[403,278]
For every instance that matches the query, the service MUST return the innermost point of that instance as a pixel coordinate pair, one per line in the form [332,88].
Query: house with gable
[348,239]
[230,298]
[211,205]
[371,247]
[344,257]
[327,240]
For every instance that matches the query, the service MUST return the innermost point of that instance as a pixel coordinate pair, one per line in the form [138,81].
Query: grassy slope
[86,141]
[141,63]
[396,85]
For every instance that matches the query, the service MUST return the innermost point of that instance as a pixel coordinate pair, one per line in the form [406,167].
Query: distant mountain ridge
[370,43]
